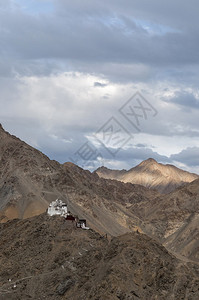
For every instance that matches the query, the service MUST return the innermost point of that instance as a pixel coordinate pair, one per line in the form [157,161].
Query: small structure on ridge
[58,207]
[81,223]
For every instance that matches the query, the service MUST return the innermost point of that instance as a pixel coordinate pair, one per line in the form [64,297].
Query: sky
[102,82]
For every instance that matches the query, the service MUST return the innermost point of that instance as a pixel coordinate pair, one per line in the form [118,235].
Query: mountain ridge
[29,181]
[151,174]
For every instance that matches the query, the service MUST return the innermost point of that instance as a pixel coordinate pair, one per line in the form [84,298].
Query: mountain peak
[149,161]
[102,168]
[151,174]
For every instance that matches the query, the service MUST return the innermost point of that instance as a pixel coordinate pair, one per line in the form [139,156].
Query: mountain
[24,171]
[151,174]
[29,181]
[47,258]
[174,219]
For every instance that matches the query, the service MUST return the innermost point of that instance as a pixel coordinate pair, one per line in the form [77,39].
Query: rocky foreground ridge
[47,258]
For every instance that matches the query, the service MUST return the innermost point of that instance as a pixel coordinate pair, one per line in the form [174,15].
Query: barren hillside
[29,181]
[47,258]
[175,219]
[151,174]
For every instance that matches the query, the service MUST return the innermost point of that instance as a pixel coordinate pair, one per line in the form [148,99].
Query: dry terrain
[48,258]
[151,174]
[29,181]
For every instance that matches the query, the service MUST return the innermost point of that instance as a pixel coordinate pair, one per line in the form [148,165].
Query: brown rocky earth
[48,258]
[29,181]
[151,174]
[174,219]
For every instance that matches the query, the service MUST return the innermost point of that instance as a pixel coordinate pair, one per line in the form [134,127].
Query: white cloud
[67,67]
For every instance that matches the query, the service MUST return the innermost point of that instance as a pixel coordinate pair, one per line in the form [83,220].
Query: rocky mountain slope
[174,219]
[47,258]
[185,218]
[151,174]
[29,181]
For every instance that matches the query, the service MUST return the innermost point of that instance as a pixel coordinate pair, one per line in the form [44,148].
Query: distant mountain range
[29,181]
[151,174]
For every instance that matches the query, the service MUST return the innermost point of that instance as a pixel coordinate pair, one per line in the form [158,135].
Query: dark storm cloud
[140,146]
[169,13]
[99,84]
[71,35]
[137,153]
[185,99]
[125,159]
[178,42]
[189,156]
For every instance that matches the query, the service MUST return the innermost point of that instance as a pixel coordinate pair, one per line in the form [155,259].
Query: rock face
[174,219]
[184,218]
[164,178]
[47,258]
[29,181]
[24,172]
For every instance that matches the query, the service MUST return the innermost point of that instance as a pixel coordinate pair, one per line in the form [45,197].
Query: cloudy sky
[102,82]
